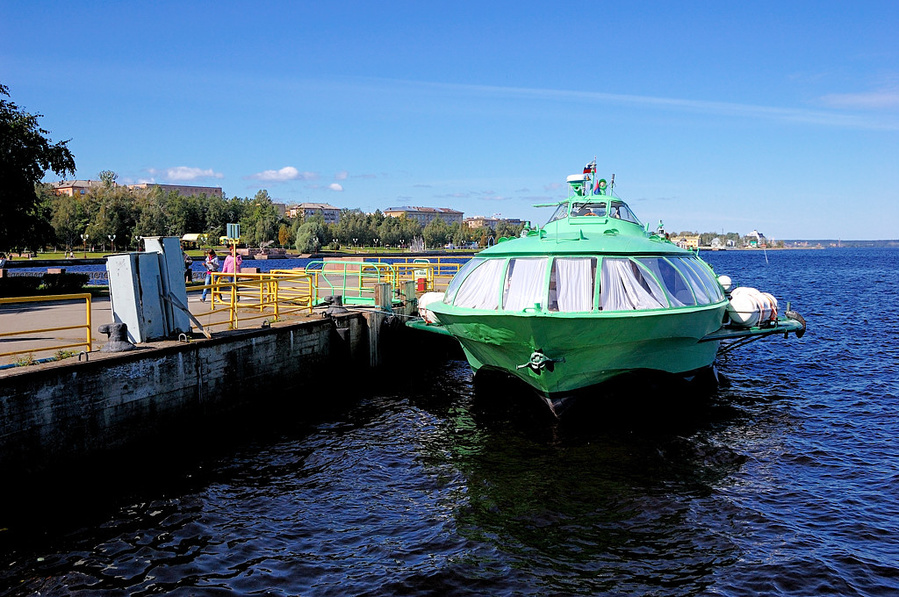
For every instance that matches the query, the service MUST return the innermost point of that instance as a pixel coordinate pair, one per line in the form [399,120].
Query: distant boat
[591,295]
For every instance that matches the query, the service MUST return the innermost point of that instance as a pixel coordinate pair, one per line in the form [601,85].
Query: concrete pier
[60,412]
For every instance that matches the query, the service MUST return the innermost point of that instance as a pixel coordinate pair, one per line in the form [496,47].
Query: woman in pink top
[232,265]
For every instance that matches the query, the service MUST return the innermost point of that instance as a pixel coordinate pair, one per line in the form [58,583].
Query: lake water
[784,483]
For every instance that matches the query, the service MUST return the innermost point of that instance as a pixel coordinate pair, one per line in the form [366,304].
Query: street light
[112,240]
[356,243]
[139,238]
[84,237]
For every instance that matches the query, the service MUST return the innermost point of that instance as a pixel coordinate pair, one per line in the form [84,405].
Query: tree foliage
[26,154]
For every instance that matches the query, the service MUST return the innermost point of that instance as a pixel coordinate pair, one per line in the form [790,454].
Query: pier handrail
[355,281]
[87,344]
[273,295]
[437,271]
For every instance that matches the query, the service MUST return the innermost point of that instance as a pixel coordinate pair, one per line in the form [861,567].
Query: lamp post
[356,244]
[139,238]
[84,237]
[112,240]
[334,243]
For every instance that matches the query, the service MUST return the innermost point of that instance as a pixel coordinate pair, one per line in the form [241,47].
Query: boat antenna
[612,184]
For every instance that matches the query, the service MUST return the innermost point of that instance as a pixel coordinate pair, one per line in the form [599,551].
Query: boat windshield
[612,209]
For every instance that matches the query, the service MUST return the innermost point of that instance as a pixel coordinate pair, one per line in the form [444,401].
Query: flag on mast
[590,168]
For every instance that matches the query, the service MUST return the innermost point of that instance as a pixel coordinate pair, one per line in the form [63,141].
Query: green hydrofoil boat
[594,294]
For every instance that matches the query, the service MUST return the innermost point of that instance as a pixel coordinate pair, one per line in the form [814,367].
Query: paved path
[25,317]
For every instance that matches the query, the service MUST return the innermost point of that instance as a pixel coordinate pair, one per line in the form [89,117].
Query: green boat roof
[589,221]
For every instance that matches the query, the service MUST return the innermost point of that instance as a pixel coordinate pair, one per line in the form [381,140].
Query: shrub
[19,286]
[64,283]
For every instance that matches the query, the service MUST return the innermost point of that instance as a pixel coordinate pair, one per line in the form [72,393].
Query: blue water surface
[784,483]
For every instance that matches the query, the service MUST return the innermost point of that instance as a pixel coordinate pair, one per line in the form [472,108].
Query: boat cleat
[539,361]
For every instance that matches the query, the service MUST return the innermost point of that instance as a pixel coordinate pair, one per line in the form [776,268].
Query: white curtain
[525,284]
[574,284]
[624,287]
[480,290]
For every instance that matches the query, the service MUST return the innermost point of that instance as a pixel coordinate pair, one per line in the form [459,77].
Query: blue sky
[713,116]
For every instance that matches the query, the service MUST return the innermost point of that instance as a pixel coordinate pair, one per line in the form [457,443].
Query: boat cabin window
[626,286]
[588,209]
[705,286]
[525,283]
[457,280]
[571,284]
[621,211]
[479,283]
[678,288]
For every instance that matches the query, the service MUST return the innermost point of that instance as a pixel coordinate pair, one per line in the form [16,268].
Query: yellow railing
[354,280]
[86,326]
[273,295]
[430,274]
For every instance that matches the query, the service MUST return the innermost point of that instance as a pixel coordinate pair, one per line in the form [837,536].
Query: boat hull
[574,352]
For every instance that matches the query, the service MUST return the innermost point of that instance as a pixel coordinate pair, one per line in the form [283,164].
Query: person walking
[188,263]
[211,263]
[232,266]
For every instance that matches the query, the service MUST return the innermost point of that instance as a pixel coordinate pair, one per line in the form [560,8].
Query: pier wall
[59,412]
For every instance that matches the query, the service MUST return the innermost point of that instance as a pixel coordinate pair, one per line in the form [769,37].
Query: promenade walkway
[41,315]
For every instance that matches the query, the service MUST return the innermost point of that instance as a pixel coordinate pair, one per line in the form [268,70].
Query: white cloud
[342,175]
[883,99]
[184,173]
[874,100]
[283,175]
[335,187]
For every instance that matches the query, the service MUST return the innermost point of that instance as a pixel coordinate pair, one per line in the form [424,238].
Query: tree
[311,235]
[436,233]
[260,220]
[108,177]
[26,154]
[69,219]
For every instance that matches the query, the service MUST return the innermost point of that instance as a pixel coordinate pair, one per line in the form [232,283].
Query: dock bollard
[118,337]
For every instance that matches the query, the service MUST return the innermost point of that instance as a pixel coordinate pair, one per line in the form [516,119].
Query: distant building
[330,213]
[181,189]
[686,241]
[476,222]
[75,187]
[757,239]
[423,215]
[481,222]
